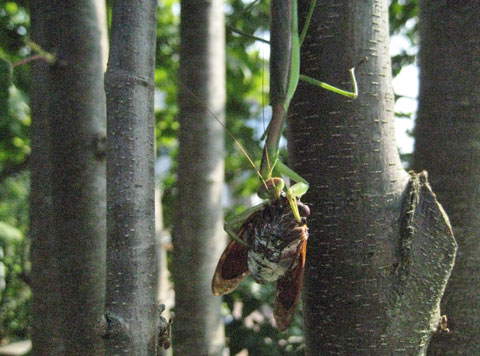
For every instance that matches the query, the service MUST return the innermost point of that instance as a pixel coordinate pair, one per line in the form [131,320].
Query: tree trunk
[198,235]
[380,249]
[130,324]
[68,180]
[447,145]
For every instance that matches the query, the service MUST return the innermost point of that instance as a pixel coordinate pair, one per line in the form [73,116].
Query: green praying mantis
[269,240]
[285,74]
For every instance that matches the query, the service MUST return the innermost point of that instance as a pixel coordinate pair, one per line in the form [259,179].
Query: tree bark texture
[130,324]
[68,180]
[448,146]
[198,236]
[380,249]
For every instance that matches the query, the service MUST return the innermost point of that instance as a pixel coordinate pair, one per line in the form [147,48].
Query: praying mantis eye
[303,209]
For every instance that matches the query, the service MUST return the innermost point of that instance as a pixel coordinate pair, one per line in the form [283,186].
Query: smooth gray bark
[130,324]
[380,248]
[68,180]
[198,235]
[448,146]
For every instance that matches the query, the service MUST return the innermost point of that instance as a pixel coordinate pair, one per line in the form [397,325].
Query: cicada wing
[232,268]
[288,290]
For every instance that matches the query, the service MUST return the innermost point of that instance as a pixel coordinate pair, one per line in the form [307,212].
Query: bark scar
[407,223]
[111,326]
[129,78]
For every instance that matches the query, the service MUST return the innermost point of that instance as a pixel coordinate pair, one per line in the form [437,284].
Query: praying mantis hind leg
[232,225]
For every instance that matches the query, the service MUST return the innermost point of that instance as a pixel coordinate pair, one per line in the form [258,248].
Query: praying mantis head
[273,187]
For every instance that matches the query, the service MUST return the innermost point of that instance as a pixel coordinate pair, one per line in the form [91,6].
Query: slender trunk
[447,145]
[198,235]
[68,180]
[130,324]
[380,249]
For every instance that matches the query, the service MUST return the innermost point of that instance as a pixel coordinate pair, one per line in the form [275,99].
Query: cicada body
[273,251]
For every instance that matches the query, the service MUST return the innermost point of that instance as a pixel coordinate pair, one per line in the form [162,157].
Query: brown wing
[232,268]
[289,287]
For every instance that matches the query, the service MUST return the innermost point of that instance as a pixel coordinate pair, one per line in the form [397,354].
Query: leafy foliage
[14,111]
[15,295]
[403,21]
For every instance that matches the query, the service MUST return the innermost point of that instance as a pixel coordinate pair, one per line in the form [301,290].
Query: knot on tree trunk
[112,326]
[425,260]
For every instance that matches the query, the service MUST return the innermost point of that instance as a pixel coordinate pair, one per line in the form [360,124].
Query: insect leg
[284,169]
[307,21]
[350,94]
[296,190]
[231,226]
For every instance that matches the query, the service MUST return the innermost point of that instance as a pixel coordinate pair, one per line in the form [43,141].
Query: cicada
[271,246]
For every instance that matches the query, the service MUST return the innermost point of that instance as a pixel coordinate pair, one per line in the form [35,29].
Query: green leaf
[9,233]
